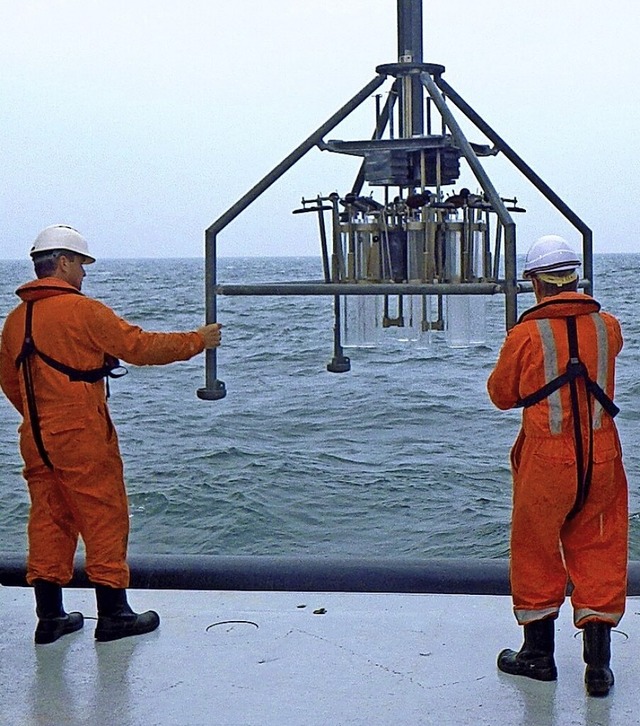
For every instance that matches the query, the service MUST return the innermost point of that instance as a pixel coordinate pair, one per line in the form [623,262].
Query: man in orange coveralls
[570,517]
[57,348]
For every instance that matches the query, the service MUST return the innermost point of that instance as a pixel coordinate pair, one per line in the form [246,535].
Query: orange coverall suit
[84,494]
[547,546]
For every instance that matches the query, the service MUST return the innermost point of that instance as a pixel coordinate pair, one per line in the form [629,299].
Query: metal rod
[510,284]
[510,276]
[214,389]
[296,155]
[496,259]
[527,171]
[323,242]
[340,363]
[467,151]
[361,288]
[337,258]
[382,121]
[410,50]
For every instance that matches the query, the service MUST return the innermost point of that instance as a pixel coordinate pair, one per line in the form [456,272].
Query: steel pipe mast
[409,256]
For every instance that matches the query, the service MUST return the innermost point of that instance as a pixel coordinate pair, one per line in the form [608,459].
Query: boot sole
[48,631]
[599,690]
[123,631]
[507,663]
[599,686]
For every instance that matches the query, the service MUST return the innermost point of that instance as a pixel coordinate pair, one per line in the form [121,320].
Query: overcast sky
[141,121]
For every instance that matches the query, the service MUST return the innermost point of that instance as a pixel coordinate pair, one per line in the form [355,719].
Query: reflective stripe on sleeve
[603,364]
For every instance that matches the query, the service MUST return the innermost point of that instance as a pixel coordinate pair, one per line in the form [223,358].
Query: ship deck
[243,658]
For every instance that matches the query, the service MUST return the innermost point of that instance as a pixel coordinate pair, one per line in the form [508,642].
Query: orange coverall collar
[565,305]
[45,287]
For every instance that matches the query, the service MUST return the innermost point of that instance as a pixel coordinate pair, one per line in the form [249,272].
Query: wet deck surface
[305,659]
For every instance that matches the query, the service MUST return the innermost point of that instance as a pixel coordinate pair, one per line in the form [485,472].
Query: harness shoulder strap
[584,465]
[111,367]
[575,369]
[24,361]
[574,363]
[28,347]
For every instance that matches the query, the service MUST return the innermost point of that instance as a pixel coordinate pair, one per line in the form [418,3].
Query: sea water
[402,456]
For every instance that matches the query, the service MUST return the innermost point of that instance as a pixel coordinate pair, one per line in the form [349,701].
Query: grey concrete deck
[262,658]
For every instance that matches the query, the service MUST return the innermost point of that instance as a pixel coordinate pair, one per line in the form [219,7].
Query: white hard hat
[62,237]
[550,254]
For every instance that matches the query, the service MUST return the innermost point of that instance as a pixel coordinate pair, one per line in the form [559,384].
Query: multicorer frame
[415,246]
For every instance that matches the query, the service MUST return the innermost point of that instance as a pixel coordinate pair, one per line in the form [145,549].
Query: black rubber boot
[535,658]
[53,621]
[117,620]
[596,640]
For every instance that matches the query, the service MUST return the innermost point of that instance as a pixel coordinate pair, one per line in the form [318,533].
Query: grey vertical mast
[410,51]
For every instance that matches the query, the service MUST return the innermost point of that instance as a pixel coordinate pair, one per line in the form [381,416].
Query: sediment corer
[394,258]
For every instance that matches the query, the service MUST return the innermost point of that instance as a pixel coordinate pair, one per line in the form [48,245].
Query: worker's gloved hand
[211,334]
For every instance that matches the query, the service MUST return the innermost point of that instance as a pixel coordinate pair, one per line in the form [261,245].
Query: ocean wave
[404,455]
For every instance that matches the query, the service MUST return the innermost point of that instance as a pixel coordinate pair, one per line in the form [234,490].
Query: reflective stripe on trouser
[525,617]
[84,495]
[547,550]
[581,616]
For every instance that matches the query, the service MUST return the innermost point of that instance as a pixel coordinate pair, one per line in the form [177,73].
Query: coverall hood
[562,306]
[45,287]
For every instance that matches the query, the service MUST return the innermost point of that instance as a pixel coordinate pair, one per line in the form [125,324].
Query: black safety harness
[576,370]
[110,369]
